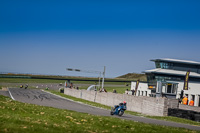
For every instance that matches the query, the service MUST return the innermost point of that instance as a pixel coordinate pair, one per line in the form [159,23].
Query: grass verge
[22,117]
[30,80]
[85,84]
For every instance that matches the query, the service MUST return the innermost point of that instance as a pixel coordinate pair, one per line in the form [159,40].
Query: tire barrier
[186,114]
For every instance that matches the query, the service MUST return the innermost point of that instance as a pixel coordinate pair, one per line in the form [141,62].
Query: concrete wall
[187,107]
[172,103]
[141,104]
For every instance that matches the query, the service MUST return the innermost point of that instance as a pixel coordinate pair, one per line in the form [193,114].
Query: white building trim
[142,88]
[172,72]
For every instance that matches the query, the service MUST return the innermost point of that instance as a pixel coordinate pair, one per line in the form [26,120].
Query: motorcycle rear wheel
[112,111]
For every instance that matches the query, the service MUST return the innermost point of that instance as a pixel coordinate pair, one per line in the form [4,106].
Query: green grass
[166,118]
[22,117]
[27,80]
[120,90]
[24,80]
[135,76]
[85,84]
[175,119]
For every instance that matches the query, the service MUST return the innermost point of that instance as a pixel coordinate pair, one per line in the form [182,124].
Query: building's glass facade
[177,66]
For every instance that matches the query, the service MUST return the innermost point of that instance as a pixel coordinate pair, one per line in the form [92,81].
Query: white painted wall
[142,88]
[193,89]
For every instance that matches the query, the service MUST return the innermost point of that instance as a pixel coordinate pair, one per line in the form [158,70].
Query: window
[164,78]
[157,64]
[164,65]
[166,87]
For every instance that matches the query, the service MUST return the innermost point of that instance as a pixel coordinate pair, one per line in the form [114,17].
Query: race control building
[169,76]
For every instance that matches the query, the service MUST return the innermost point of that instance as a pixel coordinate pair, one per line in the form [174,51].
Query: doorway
[169,88]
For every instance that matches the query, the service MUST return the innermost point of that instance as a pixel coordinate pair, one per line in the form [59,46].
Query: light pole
[103,76]
[98,72]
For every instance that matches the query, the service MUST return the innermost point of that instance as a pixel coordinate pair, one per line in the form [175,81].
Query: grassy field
[68,77]
[120,90]
[26,80]
[22,117]
[85,84]
[135,76]
[29,80]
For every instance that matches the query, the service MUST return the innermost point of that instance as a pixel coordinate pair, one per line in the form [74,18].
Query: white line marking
[11,94]
[73,100]
[58,95]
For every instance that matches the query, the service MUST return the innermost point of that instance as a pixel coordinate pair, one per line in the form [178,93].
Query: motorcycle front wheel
[121,113]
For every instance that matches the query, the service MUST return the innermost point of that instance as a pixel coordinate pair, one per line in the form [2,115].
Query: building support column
[189,98]
[196,100]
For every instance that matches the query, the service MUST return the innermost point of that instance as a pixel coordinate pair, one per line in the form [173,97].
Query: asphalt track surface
[35,96]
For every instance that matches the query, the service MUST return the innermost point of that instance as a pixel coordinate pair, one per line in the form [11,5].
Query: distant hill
[134,76]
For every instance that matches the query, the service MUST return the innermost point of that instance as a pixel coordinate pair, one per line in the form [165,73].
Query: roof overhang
[177,61]
[171,72]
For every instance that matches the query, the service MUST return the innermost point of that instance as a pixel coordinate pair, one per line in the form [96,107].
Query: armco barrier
[141,104]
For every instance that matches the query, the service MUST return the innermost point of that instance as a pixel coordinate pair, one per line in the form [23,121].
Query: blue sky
[46,37]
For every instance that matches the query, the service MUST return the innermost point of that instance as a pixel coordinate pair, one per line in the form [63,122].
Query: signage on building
[151,86]
[185,87]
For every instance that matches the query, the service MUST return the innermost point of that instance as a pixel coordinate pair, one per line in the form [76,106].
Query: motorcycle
[26,87]
[118,109]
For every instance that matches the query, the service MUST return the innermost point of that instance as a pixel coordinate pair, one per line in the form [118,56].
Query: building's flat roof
[177,61]
[171,72]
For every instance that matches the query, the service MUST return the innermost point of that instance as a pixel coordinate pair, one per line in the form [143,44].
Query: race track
[35,96]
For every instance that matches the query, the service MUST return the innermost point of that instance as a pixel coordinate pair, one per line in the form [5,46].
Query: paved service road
[46,99]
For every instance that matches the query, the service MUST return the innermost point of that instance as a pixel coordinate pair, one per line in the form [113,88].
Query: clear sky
[47,36]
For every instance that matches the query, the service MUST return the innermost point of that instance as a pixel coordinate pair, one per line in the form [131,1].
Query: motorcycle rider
[121,104]
[26,86]
[118,109]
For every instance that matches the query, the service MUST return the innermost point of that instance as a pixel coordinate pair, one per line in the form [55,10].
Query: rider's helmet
[124,104]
